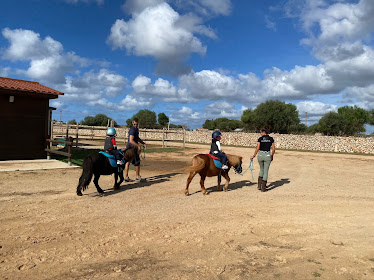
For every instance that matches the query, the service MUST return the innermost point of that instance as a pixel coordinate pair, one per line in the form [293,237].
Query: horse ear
[241,158]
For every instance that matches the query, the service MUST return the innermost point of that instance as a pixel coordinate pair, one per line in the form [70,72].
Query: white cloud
[48,61]
[4,71]
[157,30]
[315,108]
[26,44]
[136,6]
[364,96]
[222,109]
[206,7]
[93,86]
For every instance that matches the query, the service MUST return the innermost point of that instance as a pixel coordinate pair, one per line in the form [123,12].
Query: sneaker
[119,162]
[128,179]
[140,179]
[224,167]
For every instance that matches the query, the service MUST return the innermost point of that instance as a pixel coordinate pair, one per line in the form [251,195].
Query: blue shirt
[134,132]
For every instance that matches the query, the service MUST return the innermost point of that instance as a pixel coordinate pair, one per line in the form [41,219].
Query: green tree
[315,128]
[223,124]
[209,124]
[73,121]
[298,128]
[355,119]
[98,120]
[147,119]
[163,120]
[332,123]
[248,119]
[371,117]
[279,115]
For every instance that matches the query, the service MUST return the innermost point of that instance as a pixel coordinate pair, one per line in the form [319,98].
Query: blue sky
[193,60]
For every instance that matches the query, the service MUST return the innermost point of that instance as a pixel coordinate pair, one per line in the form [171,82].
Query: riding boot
[259,183]
[263,186]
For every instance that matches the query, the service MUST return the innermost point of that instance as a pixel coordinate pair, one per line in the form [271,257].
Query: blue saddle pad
[217,163]
[112,159]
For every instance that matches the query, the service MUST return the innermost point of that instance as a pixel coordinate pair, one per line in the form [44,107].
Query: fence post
[76,135]
[52,124]
[48,147]
[67,131]
[70,150]
[163,137]
[184,138]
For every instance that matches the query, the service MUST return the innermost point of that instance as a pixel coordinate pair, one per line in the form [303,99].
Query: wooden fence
[82,132]
[68,143]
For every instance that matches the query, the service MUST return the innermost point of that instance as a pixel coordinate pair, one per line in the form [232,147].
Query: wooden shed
[25,118]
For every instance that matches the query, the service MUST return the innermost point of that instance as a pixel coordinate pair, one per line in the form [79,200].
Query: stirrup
[225,167]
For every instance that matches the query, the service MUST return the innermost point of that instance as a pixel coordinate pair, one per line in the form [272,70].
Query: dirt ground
[315,222]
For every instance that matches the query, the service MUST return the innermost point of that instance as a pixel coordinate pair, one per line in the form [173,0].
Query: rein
[250,167]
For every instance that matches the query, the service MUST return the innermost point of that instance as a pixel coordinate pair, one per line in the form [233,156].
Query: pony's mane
[234,160]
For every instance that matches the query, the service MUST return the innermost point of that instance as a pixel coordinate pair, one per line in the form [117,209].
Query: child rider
[110,145]
[215,149]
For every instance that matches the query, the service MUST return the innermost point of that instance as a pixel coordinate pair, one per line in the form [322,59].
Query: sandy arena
[315,222]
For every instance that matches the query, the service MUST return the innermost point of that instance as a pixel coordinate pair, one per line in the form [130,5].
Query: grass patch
[316,274]
[78,154]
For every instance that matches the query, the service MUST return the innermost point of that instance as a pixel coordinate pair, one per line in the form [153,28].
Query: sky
[191,59]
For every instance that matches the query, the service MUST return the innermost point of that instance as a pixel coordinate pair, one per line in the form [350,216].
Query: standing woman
[265,156]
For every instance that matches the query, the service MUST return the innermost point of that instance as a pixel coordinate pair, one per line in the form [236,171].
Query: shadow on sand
[277,184]
[134,185]
[232,187]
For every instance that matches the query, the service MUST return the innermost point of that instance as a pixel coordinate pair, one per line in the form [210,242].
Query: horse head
[130,153]
[236,163]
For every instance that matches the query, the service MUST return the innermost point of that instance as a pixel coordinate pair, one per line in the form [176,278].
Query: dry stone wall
[283,141]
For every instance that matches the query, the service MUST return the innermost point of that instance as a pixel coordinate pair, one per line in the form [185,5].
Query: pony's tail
[197,164]
[86,176]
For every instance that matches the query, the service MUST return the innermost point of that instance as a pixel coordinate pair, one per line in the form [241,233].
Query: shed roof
[27,86]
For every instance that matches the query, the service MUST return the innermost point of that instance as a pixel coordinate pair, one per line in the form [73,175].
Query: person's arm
[141,141]
[272,150]
[114,144]
[219,147]
[256,151]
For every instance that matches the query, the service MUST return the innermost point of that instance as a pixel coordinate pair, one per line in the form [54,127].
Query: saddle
[112,158]
[216,161]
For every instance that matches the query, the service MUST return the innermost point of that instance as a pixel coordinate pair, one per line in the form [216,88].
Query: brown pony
[204,165]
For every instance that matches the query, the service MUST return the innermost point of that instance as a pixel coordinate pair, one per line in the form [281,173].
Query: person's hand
[252,157]
[272,157]
[144,146]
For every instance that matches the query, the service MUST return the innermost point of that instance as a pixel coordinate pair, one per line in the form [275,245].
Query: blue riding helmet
[216,134]
[111,131]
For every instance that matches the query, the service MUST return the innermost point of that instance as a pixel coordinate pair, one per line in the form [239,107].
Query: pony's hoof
[79,194]
[187,194]
[206,193]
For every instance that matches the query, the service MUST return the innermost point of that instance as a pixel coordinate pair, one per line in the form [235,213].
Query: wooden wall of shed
[24,127]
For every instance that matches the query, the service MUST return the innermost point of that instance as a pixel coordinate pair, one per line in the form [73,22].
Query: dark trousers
[222,158]
[115,153]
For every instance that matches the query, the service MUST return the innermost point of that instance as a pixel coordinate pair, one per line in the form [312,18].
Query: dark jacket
[108,143]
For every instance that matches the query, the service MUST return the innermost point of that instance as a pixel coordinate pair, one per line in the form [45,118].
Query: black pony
[97,165]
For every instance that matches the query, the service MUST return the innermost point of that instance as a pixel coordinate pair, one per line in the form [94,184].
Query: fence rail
[68,143]
[83,132]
